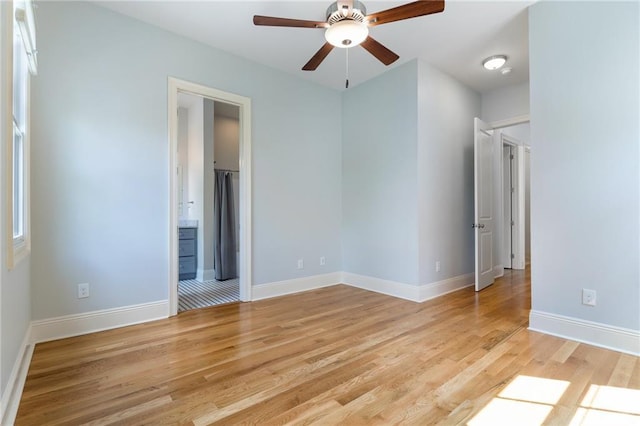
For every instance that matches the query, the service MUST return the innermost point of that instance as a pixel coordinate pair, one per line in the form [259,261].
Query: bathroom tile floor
[194,294]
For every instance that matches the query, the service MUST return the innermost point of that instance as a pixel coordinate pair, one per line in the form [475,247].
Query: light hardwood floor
[337,355]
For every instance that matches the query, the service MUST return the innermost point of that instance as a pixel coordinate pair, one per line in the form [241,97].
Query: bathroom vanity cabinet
[187,252]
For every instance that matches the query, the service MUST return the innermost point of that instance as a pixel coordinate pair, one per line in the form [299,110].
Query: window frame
[18,193]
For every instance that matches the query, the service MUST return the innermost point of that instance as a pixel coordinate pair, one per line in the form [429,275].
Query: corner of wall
[13,392]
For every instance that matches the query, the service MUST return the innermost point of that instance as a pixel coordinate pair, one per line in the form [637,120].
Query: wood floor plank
[337,355]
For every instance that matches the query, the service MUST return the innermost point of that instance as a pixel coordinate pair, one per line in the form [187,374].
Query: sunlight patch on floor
[525,401]
[529,400]
[613,399]
[510,412]
[608,405]
[535,389]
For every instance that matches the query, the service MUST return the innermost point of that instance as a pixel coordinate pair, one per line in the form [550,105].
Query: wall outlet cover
[588,297]
[83,290]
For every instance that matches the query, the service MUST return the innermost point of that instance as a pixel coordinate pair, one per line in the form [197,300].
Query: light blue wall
[445,174]
[100,160]
[379,170]
[505,102]
[15,290]
[16,312]
[408,176]
[585,166]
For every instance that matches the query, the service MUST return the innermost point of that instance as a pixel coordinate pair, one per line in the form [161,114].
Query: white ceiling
[455,41]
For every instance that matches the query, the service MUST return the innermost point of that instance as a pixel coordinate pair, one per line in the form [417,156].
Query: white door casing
[483,203]
[507,205]
[174,86]
[512,202]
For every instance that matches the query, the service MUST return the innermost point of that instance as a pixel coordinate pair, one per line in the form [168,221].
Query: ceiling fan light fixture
[346,33]
[494,62]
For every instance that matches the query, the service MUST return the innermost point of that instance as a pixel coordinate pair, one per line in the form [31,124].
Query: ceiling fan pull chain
[347,82]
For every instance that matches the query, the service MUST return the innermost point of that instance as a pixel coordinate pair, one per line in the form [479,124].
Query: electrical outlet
[323,261]
[300,263]
[83,290]
[588,297]
[437,266]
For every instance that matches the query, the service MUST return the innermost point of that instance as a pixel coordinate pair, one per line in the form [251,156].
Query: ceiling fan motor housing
[346,24]
[340,11]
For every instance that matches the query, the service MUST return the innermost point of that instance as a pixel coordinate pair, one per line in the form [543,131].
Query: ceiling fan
[347,25]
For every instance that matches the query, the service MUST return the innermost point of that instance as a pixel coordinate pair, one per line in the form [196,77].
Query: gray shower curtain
[224,243]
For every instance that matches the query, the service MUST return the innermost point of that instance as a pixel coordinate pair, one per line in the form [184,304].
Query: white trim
[520,211]
[13,392]
[517,206]
[498,271]
[414,293]
[91,322]
[440,288]
[244,103]
[18,250]
[379,285]
[520,119]
[296,285]
[597,334]
[172,108]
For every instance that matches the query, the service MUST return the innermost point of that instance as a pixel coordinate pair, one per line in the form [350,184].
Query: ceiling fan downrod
[346,85]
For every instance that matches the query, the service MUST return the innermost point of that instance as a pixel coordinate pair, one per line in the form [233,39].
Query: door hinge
[513,223]
[512,156]
[513,190]
[513,256]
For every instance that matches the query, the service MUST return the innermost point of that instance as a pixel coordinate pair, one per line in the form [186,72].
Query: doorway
[508,188]
[510,207]
[501,179]
[512,196]
[210,223]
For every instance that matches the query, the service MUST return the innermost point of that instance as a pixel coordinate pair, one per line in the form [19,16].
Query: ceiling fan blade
[383,54]
[318,57]
[286,22]
[407,11]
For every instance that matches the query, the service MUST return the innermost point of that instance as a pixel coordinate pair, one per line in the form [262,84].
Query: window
[24,64]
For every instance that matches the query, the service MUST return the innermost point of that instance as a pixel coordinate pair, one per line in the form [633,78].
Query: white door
[483,200]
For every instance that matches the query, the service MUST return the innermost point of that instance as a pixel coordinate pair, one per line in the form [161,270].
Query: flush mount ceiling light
[494,62]
[347,33]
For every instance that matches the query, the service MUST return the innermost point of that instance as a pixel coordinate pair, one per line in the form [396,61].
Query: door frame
[507,198]
[517,201]
[174,86]
[519,261]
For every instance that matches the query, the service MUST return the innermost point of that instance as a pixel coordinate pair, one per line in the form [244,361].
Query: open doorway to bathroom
[208,202]
[222,266]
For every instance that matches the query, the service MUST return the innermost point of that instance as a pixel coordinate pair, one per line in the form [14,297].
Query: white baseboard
[498,271]
[440,288]
[15,384]
[593,333]
[281,288]
[414,293]
[378,285]
[90,322]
